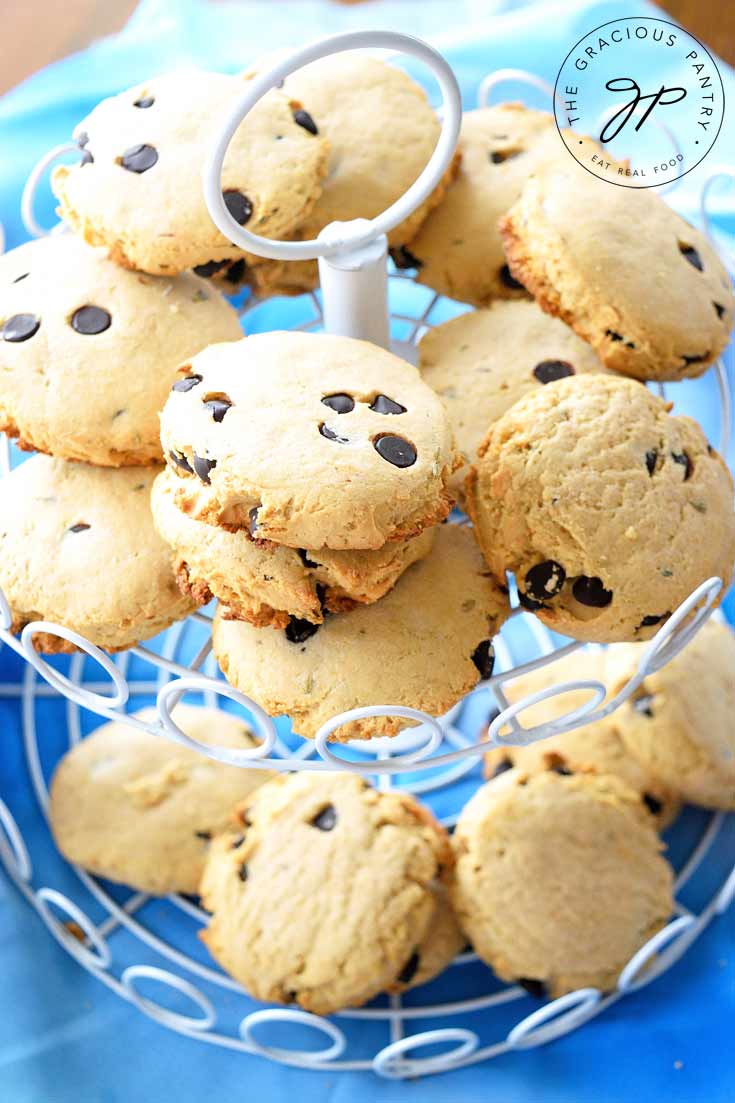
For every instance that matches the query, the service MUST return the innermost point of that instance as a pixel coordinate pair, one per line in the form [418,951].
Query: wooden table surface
[36,32]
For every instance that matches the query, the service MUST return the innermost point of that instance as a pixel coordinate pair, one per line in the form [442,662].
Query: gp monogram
[649,94]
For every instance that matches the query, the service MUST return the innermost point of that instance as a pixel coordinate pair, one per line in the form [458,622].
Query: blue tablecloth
[63,1037]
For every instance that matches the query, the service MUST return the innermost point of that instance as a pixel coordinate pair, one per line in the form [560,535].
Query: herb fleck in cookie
[482,362]
[596,748]
[88,351]
[267,584]
[78,547]
[138,188]
[381,131]
[608,510]
[424,645]
[308,440]
[559,880]
[324,895]
[655,303]
[458,250]
[679,725]
[141,809]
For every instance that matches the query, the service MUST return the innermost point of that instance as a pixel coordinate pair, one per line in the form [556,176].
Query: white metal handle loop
[300,1018]
[436,734]
[84,697]
[571,719]
[635,974]
[726,895]
[13,852]
[372,228]
[200,683]
[391,1064]
[173,1019]
[554,1019]
[28,198]
[507,76]
[97,958]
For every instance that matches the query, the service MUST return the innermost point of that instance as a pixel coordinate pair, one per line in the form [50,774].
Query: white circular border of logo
[574,122]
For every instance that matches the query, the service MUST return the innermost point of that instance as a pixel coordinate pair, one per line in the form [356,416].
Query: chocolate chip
[683,459]
[331,435]
[303,118]
[653,805]
[20,327]
[181,461]
[651,458]
[690,253]
[408,972]
[484,658]
[403,258]
[238,205]
[82,138]
[235,272]
[218,407]
[326,820]
[299,631]
[545,580]
[242,872]
[139,158]
[696,359]
[548,371]
[145,101]
[590,591]
[619,337]
[653,618]
[305,558]
[23,277]
[502,766]
[509,280]
[340,403]
[498,155]
[253,520]
[535,988]
[237,841]
[209,269]
[396,450]
[90,320]
[564,771]
[80,527]
[204,835]
[203,466]
[381,404]
[186,383]
[719,310]
[642,704]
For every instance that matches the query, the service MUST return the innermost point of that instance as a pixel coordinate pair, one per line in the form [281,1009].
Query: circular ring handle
[31,186]
[673,636]
[436,734]
[388,1063]
[554,1019]
[100,957]
[62,684]
[173,1019]
[369,229]
[563,723]
[200,683]
[301,1018]
[13,851]
[505,76]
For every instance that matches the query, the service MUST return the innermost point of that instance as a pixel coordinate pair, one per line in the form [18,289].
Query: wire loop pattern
[434,758]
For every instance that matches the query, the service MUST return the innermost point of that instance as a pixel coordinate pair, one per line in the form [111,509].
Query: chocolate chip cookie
[633,278]
[308,440]
[138,190]
[608,510]
[88,351]
[424,645]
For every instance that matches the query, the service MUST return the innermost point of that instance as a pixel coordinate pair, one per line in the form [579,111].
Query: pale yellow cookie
[141,809]
[324,896]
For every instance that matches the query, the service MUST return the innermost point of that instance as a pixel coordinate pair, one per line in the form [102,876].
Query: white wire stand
[162,969]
